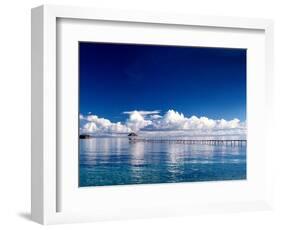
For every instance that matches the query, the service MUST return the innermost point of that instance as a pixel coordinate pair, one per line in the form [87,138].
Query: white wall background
[15,112]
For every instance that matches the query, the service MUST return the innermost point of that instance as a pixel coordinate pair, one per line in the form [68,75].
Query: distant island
[85,136]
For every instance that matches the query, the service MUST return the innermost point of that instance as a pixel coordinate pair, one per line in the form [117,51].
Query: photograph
[151,114]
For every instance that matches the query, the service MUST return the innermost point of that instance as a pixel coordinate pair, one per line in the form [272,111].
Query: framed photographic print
[161,114]
[140,114]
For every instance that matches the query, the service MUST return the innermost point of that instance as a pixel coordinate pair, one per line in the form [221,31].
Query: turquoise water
[115,161]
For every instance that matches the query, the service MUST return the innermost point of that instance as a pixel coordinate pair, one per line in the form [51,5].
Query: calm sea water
[115,161]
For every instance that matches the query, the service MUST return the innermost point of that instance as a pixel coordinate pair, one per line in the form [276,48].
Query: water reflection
[110,161]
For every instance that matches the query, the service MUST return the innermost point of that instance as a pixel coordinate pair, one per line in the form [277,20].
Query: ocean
[116,161]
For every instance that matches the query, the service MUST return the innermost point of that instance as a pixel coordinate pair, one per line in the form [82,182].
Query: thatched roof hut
[132,135]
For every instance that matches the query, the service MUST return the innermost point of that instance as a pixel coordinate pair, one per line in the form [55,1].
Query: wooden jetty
[184,141]
[133,138]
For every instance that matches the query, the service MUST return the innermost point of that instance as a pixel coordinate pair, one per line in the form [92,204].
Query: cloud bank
[95,125]
[171,123]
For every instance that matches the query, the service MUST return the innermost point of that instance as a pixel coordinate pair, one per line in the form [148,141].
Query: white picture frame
[46,181]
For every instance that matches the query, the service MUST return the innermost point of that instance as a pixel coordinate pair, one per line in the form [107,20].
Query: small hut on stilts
[132,136]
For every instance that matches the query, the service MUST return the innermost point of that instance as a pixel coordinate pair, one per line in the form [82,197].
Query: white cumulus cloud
[96,125]
[142,112]
[137,121]
[171,122]
[174,120]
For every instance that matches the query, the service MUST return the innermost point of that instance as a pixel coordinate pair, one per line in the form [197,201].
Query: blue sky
[193,81]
